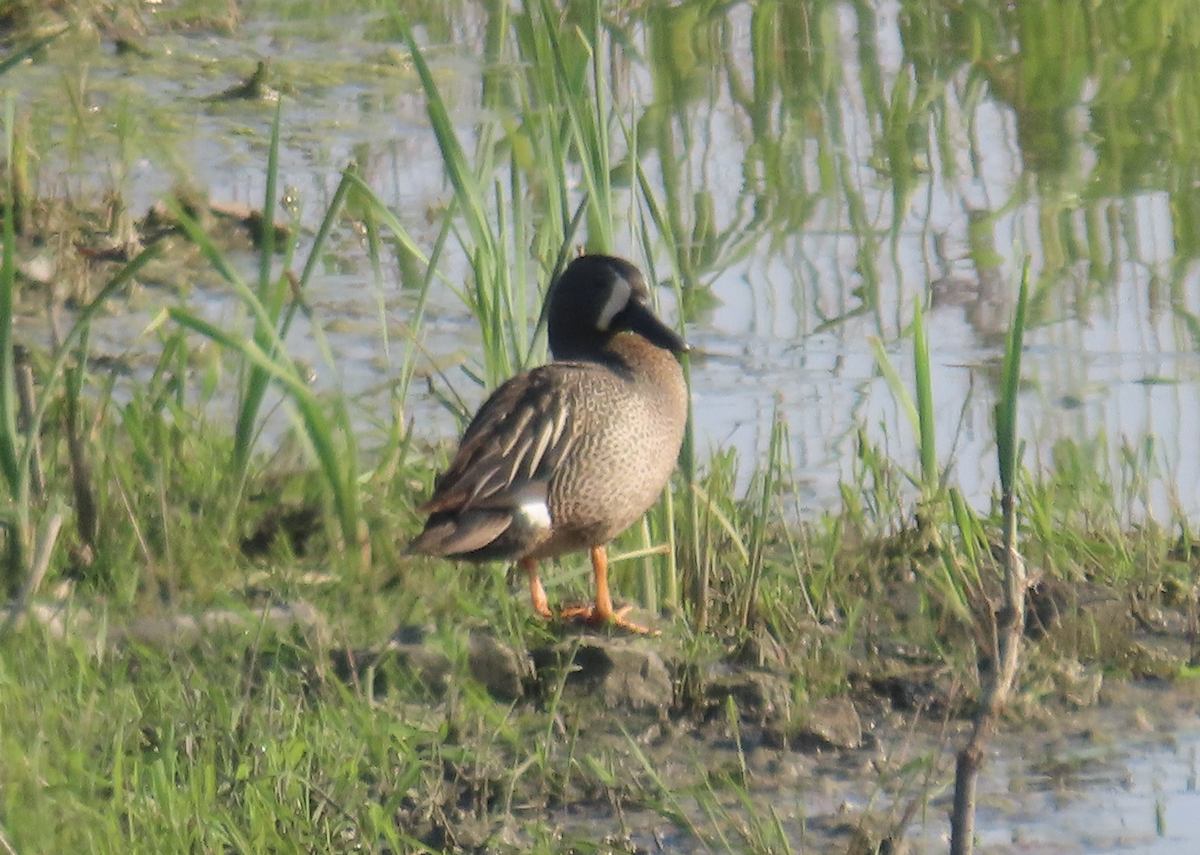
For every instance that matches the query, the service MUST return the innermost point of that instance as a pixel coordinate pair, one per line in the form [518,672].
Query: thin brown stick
[1007,633]
[5,845]
[47,537]
[25,408]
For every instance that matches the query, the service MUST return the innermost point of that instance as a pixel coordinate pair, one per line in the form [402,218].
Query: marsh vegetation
[262,260]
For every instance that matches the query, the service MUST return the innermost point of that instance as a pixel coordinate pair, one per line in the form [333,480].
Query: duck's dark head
[597,297]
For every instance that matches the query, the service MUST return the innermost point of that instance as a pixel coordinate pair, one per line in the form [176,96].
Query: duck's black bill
[639,319]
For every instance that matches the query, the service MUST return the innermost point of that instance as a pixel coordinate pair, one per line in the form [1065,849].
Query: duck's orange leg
[602,612]
[536,592]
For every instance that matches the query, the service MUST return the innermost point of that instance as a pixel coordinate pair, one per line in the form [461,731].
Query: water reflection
[1145,802]
[821,166]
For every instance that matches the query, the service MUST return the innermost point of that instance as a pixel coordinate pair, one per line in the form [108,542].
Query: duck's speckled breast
[628,425]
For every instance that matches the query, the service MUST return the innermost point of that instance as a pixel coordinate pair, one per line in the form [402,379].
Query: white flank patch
[617,301]
[535,513]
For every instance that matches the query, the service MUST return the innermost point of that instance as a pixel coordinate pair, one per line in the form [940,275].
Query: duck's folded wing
[510,448]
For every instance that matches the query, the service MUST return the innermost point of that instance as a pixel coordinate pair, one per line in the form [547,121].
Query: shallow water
[1140,797]
[1071,796]
[1112,786]
[855,233]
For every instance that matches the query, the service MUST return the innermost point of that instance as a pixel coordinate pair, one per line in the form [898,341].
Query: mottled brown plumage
[565,457]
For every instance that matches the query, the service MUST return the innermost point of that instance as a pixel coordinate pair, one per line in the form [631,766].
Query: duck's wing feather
[511,447]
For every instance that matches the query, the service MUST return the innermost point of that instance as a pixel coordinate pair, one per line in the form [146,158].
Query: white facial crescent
[617,300]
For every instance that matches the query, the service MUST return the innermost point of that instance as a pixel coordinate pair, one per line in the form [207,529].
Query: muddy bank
[674,748]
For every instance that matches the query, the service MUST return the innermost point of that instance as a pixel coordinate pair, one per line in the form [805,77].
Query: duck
[564,457]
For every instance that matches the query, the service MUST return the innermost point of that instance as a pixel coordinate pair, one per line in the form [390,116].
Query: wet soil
[680,750]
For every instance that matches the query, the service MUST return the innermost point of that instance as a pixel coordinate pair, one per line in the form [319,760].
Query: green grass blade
[29,50]
[315,252]
[268,358]
[266,244]
[82,321]
[772,475]
[1006,408]
[8,278]
[317,427]
[968,528]
[272,296]
[895,385]
[730,528]
[408,245]
[587,113]
[454,159]
[926,432]
[278,369]
[259,312]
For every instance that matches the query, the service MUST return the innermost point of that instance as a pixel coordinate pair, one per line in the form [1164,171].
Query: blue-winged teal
[567,456]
